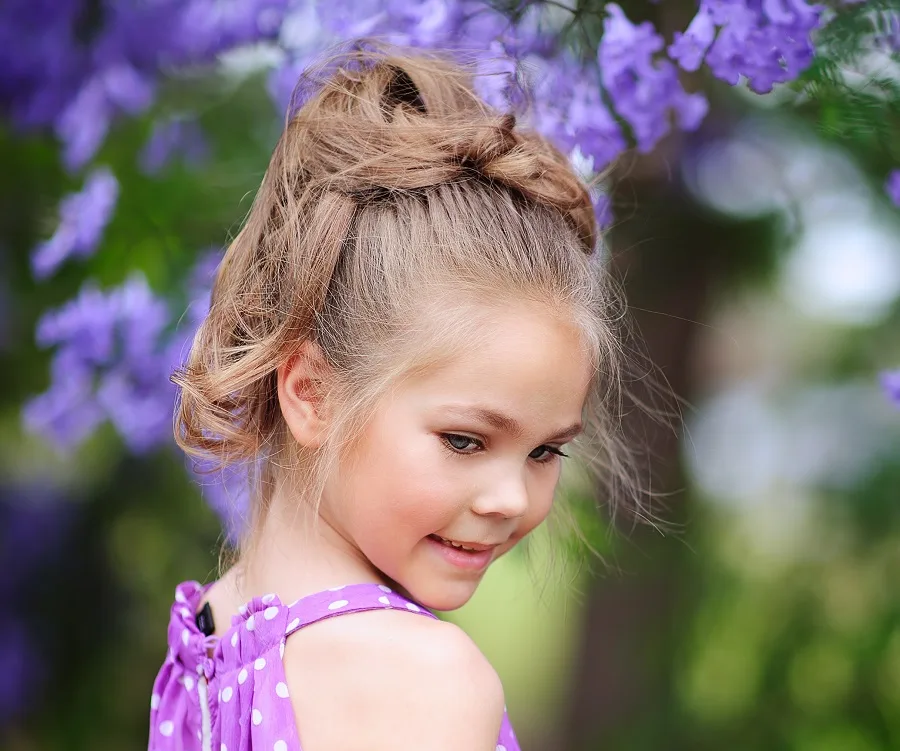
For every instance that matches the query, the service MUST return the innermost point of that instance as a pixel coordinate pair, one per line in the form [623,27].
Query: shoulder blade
[391,681]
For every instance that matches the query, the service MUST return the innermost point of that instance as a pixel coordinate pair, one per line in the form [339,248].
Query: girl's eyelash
[446,439]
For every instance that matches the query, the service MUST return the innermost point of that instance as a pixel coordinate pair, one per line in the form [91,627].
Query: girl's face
[464,455]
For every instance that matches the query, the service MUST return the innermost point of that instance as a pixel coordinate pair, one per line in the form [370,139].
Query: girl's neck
[296,552]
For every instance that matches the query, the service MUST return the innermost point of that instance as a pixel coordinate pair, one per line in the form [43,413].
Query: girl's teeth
[456,545]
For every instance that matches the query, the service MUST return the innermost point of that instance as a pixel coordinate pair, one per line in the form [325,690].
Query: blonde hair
[394,198]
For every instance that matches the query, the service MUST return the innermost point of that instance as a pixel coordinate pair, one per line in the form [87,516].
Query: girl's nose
[507,498]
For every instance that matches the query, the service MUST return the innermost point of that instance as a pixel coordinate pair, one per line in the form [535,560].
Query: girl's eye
[545,453]
[460,443]
[463,444]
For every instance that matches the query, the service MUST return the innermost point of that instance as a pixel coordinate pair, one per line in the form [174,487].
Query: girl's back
[243,689]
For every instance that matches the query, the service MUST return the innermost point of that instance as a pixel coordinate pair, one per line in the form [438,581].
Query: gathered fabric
[230,693]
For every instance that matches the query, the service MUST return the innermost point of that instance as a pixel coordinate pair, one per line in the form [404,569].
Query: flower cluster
[76,66]
[765,41]
[83,219]
[108,364]
[114,351]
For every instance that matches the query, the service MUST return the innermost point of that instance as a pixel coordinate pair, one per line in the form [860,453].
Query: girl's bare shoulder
[386,680]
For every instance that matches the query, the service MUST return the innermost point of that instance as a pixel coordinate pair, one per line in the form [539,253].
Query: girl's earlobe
[301,390]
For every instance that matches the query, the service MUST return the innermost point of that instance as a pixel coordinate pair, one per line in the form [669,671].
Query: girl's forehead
[518,358]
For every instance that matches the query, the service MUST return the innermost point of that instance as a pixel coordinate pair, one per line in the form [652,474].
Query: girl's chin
[442,595]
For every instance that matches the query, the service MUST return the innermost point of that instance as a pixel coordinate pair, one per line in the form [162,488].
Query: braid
[401,135]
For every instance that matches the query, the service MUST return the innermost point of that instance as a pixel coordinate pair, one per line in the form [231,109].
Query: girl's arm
[391,681]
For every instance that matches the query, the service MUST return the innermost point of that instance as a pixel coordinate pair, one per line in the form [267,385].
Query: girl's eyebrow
[507,424]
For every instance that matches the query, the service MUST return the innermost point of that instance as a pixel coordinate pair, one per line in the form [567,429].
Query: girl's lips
[472,560]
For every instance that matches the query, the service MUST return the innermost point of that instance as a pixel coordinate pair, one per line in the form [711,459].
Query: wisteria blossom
[766,42]
[83,219]
[51,78]
[176,137]
[892,186]
[111,362]
[891,383]
[644,89]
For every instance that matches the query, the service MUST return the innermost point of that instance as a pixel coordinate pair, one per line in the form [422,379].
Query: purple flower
[52,76]
[643,88]
[170,138]
[765,41]
[584,166]
[67,413]
[890,382]
[111,363]
[496,79]
[83,125]
[892,186]
[83,218]
[689,48]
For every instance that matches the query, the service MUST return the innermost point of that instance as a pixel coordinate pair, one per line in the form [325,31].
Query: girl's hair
[397,211]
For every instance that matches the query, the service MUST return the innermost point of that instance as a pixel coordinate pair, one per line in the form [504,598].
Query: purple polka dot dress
[237,699]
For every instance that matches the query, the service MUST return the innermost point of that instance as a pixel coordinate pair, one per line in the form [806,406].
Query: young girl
[403,339]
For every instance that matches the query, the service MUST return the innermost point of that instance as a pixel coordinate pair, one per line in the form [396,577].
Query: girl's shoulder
[400,678]
[384,677]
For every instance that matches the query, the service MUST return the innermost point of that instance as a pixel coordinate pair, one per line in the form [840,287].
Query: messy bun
[392,186]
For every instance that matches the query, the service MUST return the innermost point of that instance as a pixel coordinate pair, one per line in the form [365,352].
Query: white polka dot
[257,717]
[385,589]
[384,600]
[166,728]
[270,613]
[260,663]
[281,649]
[279,746]
[500,747]
[179,596]
[188,682]
[234,638]
[268,598]
[154,701]
[336,589]
[414,608]
[337,604]
[185,635]
[281,690]
[223,747]
[199,735]
[227,693]
[185,613]
[242,676]
[251,622]
[293,624]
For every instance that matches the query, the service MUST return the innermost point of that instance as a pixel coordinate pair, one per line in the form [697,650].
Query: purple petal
[892,186]
[689,48]
[83,219]
[890,382]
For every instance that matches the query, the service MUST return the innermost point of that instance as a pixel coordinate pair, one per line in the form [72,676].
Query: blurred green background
[762,263]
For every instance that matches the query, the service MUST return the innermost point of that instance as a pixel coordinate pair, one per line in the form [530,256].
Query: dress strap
[352,598]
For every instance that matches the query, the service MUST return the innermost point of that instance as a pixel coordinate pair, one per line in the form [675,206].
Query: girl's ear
[302,383]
